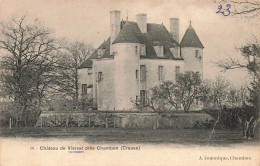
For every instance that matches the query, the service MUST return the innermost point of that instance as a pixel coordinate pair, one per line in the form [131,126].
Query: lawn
[147,136]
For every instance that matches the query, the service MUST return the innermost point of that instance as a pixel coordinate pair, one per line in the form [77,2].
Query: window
[136,49]
[196,53]
[199,75]
[197,101]
[136,100]
[142,49]
[89,71]
[159,51]
[142,97]
[101,52]
[178,104]
[175,52]
[100,76]
[84,89]
[177,71]
[136,74]
[160,73]
[142,73]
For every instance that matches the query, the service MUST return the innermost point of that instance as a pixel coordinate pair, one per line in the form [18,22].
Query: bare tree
[188,87]
[164,96]
[169,95]
[74,55]
[28,68]
[249,62]
[215,93]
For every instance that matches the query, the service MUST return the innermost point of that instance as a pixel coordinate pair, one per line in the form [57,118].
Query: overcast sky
[89,21]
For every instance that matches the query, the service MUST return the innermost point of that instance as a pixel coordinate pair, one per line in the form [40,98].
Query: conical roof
[190,39]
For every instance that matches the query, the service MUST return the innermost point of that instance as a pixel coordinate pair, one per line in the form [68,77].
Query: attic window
[159,51]
[142,50]
[101,52]
[175,52]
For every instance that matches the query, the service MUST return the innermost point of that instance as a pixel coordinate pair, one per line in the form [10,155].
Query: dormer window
[175,52]
[101,52]
[142,50]
[159,51]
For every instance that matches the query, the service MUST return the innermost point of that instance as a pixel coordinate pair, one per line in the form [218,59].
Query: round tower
[192,51]
[126,79]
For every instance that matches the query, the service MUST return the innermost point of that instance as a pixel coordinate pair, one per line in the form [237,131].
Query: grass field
[147,136]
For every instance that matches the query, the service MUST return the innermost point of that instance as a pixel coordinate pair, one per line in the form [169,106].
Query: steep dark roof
[156,34]
[190,39]
[159,35]
[106,46]
[129,33]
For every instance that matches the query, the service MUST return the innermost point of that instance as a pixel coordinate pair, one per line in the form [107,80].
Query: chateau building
[136,57]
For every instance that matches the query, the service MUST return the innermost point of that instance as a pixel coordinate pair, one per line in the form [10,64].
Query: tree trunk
[77,88]
[249,128]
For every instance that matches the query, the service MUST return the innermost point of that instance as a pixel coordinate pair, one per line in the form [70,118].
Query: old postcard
[120,82]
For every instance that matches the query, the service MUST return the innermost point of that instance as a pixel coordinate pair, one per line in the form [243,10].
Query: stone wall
[123,119]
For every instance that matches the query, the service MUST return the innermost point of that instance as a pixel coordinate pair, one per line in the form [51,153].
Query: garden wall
[123,119]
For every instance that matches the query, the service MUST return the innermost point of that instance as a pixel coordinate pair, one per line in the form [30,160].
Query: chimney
[114,25]
[174,28]
[141,20]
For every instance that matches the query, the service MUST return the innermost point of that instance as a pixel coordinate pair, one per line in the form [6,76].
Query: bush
[229,117]
[27,118]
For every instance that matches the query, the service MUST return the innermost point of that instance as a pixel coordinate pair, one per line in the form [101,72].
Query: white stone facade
[122,77]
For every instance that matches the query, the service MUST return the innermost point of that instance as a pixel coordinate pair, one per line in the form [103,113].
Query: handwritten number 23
[223,12]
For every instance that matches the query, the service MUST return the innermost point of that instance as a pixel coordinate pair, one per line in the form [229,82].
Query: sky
[88,21]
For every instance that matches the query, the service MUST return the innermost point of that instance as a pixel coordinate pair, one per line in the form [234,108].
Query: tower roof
[190,39]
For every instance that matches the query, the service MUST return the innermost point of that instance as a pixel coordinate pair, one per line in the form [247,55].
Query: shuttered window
[100,76]
[160,73]
[84,89]
[177,71]
[142,73]
[142,97]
